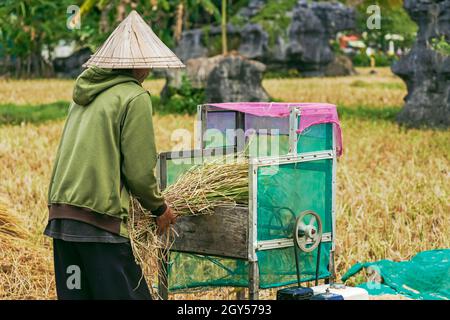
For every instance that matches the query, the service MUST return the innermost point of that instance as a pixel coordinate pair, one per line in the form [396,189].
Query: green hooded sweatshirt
[107,149]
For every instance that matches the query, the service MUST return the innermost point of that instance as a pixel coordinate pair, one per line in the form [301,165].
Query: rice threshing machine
[292,150]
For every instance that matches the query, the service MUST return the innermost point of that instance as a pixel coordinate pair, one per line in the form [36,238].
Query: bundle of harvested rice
[10,226]
[196,192]
[204,187]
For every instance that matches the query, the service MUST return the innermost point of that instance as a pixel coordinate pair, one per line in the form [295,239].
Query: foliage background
[27,27]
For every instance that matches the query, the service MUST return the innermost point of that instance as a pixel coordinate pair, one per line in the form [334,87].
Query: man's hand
[165,220]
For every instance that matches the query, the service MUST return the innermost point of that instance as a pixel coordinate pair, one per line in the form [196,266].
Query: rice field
[393,184]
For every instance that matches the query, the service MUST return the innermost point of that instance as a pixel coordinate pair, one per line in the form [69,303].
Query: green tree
[167,17]
[27,27]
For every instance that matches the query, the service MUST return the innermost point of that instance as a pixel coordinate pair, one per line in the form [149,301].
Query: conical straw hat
[134,45]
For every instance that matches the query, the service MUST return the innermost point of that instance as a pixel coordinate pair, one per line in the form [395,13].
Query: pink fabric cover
[310,114]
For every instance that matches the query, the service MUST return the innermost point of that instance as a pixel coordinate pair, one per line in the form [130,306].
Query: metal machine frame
[254,163]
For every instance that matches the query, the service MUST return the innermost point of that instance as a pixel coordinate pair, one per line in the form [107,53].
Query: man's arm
[139,155]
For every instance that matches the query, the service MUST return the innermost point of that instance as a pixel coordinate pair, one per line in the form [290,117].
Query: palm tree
[179,21]
[224,27]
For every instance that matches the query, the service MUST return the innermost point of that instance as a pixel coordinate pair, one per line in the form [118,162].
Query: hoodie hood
[95,80]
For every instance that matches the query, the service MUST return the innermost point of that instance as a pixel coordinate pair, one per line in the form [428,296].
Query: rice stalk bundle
[10,225]
[204,187]
[196,192]
[145,242]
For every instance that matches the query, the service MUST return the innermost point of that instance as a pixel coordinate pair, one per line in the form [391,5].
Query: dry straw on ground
[25,269]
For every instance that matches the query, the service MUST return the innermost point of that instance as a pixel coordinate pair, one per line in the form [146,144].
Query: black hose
[297,265]
[316,283]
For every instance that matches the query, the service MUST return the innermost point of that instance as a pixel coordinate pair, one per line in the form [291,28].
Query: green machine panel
[283,192]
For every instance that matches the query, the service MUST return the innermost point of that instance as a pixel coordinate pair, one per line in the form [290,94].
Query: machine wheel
[307,235]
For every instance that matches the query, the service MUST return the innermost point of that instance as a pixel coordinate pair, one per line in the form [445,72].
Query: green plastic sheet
[426,276]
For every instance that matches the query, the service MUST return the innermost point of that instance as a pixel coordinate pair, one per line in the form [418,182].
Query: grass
[17,114]
[393,183]
[339,90]
[362,96]
[37,92]
[14,114]
[387,113]
[386,85]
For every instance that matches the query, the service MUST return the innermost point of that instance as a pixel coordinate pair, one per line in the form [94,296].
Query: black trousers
[92,270]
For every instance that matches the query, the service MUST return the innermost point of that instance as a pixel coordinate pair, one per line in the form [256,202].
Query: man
[107,153]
